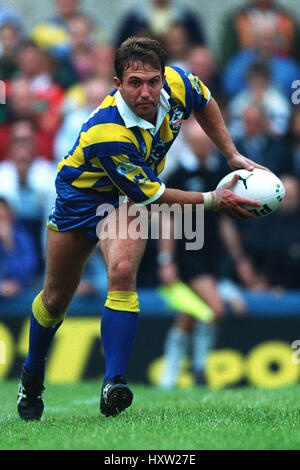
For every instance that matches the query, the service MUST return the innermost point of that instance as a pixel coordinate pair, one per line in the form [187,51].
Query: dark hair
[259,68]
[145,50]
[4,202]
[24,119]
[28,43]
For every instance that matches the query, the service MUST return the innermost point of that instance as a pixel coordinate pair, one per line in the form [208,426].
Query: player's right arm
[137,181]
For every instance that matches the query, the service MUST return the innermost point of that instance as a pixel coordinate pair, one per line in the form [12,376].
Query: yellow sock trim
[123,300]
[42,315]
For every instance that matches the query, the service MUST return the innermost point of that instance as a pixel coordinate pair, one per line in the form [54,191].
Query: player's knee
[56,303]
[185,323]
[122,274]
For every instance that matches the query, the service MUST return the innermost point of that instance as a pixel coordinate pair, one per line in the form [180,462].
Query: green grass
[190,419]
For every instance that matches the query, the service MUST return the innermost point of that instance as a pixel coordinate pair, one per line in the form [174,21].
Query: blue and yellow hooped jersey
[111,157]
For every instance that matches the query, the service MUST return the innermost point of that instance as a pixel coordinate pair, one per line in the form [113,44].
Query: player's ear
[117,82]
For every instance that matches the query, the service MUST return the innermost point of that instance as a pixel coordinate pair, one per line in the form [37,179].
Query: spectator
[177,45]
[18,256]
[27,182]
[293,141]
[65,10]
[260,145]
[20,101]
[10,37]
[54,35]
[80,30]
[240,29]
[156,17]
[23,132]
[200,270]
[283,70]
[260,90]
[102,58]
[95,90]
[21,105]
[36,67]
[267,251]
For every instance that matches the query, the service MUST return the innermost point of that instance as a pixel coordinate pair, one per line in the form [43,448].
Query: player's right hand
[228,203]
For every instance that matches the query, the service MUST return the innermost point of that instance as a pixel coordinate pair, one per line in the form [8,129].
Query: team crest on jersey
[176,119]
[156,152]
[140,178]
[195,82]
[123,168]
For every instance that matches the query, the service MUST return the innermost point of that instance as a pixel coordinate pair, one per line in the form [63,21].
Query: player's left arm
[211,120]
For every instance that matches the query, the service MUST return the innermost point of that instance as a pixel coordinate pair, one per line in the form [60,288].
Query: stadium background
[214,11]
[255,349]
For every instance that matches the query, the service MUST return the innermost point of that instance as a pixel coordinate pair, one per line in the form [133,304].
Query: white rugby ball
[259,185]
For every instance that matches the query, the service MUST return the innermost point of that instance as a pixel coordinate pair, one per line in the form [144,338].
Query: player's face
[140,88]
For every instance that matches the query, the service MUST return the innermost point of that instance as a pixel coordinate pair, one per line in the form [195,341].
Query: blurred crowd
[61,70]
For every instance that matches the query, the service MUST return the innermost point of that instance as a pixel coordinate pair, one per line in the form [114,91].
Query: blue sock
[40,339]
[118,329]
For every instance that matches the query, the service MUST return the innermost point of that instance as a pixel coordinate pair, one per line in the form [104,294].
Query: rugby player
[120,150]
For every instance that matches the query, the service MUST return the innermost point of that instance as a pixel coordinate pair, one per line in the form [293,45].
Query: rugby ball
[259,185]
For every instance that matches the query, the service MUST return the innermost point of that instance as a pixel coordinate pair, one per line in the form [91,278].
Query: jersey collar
[132,120]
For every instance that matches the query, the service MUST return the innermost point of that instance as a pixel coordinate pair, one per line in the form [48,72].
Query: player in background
[120,150]
[200,270]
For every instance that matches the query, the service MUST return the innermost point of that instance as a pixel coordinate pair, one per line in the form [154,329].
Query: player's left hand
[226,202]
[238,162]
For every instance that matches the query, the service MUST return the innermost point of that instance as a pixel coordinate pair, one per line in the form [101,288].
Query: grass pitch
[190,419]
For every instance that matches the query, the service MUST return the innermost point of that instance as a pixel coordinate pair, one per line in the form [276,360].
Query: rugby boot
[30,397]
[116,396]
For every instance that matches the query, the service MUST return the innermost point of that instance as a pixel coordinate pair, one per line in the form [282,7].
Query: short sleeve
[199,93]
[188,91]
[133,177]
